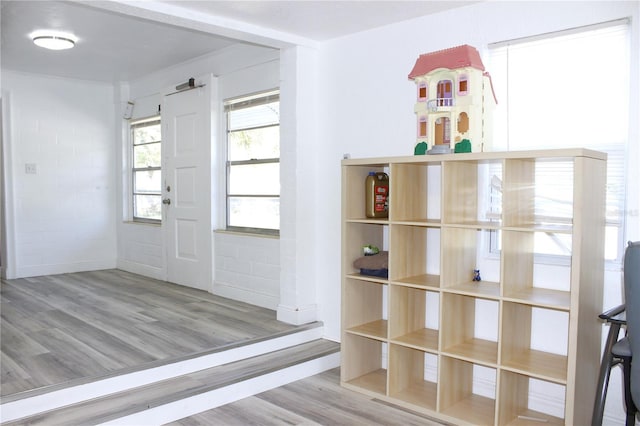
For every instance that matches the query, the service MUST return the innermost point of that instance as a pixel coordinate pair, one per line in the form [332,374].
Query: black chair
[619,351]
[632,297]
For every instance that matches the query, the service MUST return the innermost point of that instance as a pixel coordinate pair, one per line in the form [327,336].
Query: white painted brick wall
[64,218]
[141,250]
[247,268]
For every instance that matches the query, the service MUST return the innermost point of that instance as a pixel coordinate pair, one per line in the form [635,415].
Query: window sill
[135,222]
[246,234]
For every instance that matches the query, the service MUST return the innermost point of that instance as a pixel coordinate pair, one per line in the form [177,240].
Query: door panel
[185,187]
[187,216]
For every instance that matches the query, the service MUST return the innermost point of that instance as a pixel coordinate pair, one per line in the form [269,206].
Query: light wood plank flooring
[317,400]
[215,381]
[62,328]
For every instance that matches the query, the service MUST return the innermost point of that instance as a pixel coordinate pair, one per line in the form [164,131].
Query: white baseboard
[64,268]
[297,315]
[142,269]
[252,297]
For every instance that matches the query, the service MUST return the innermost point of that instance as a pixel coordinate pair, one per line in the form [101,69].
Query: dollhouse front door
[442,131]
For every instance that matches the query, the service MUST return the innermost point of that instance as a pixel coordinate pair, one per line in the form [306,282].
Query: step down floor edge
[55,399]
[177,410]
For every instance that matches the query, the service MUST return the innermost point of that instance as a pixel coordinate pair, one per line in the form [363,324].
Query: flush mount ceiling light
[54,41]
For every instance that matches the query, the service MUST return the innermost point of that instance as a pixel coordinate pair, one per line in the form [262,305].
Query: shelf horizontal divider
[368,278]
[473,225]
[422,394]
[382,221]
[528,417]
[374,330]
[484,289]
[539,297]
[425,339]
[424,281]
[475,409]
[429,223]
[477,351]
[375,381]
[538,364]
[554,229]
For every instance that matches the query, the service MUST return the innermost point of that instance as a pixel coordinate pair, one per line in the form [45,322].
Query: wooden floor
[317,400]
[63,328]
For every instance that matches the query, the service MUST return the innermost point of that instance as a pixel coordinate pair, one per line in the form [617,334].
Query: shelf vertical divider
[587,266]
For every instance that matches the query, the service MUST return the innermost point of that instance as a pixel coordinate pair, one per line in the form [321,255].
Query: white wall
[300,206]
[62,217]
[245,268]
[366,109]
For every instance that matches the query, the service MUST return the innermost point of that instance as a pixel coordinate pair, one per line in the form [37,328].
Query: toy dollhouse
[455,100]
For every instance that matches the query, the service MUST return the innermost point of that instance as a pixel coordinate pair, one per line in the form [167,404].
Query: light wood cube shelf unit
[432,339]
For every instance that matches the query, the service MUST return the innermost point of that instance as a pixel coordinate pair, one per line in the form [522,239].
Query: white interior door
[186,118]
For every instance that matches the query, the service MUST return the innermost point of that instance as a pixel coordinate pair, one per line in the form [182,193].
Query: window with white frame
[146,172]
[567,89]
[253,163]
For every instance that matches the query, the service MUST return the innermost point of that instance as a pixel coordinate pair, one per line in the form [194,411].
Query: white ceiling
[117,47]
[320,19]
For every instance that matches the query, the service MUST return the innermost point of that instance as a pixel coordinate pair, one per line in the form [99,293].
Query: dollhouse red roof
[452,58]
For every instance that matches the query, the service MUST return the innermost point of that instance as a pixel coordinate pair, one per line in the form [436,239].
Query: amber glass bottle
[377,194]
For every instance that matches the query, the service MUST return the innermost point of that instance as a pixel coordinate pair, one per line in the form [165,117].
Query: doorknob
[166,201]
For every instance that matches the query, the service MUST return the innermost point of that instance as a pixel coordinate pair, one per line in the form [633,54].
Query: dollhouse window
[463,85]
[463,122]
[422,92]
[422,127]
[445,97]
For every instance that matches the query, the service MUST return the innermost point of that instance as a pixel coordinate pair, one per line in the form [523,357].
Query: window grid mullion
[244,129]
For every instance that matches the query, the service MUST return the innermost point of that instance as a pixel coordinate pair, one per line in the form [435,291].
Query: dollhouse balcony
[438,104]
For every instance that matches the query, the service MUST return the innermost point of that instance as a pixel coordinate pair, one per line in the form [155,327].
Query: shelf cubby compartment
[354,195]
[415,193]
[461,317]
[360,234]
[414,317]
[412,376]
[463,192]
[414,258]
[531,192]
[517,402]
[457,399]
[534,341]
[362,366]
[364,313]
[521,279]
[460,259]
